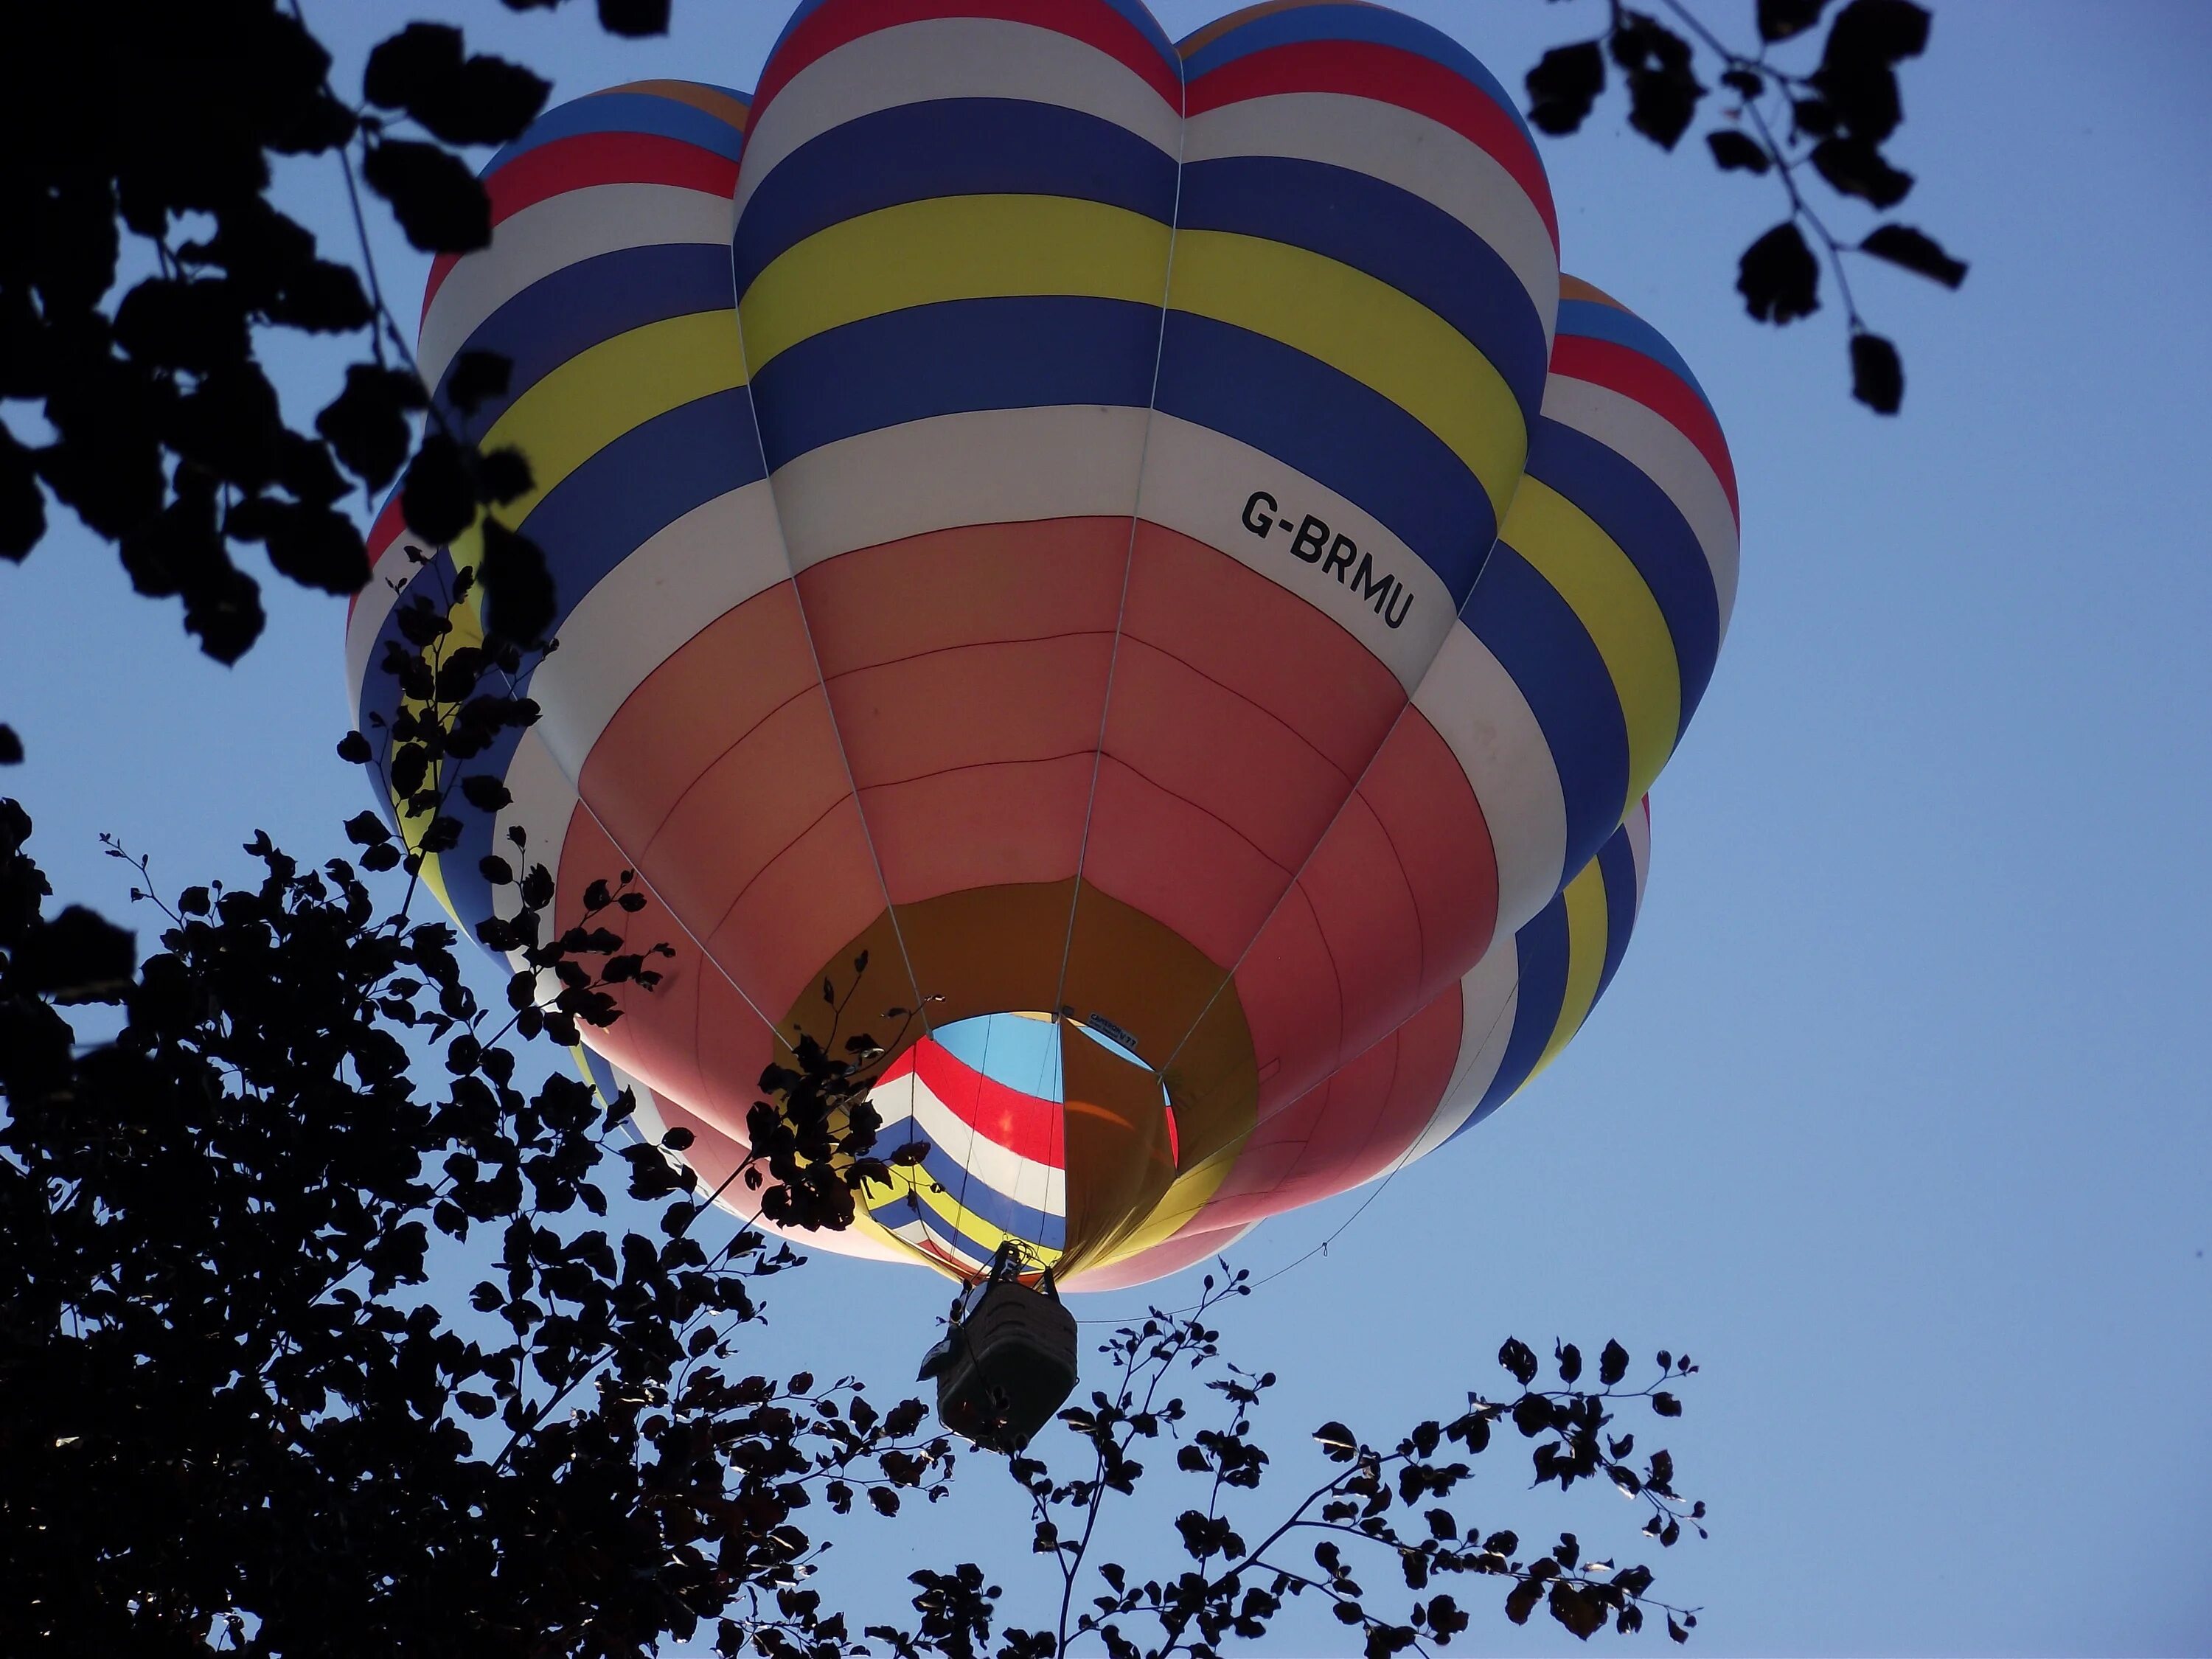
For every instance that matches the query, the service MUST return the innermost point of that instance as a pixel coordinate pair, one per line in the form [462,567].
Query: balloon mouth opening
[1026,1051]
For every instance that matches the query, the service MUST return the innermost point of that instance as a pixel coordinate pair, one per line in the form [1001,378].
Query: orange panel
[1288,988]
[1196,738]
[1360,897]
[761,795]
[1178,864]
[982,826]
[1420,793]
[799,911]
[1234,625]
[968,705]
[1054,579]
[692,708]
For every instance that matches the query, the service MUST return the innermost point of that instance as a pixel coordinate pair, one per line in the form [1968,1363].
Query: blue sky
[1895,1116]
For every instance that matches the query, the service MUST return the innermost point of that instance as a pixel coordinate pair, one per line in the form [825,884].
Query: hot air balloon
[1138,539]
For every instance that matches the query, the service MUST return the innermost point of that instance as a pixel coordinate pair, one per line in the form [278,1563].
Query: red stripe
[1025,1126]
[1364,69]
[842,22]
[595,158]
[1657,387]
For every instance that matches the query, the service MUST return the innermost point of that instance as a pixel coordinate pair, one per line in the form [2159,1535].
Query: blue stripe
[1544,948]
[976,1196]
[589,523]
[1024,352]
[899,1213]
[949,146]
[584,304]
[1340,434]
[1539,641]
[627,111]
[1370,23]
[949,1238]
[1646,525]
[1390,233]
[1593,320]
[1616,865]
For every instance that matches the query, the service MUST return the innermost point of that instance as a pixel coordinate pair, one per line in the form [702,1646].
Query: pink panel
[1195,738]
[1351,1129]
[1420,793]
[1185,1249]
[756,799]
[1370,931]
[968,705]
[691,708]
[1263,642]
[656,1037]
[1365,908]
[968,672]
[734,1045]
[816,895]
[979,826]
[1293,1003]
[1178,864]
[1055,579]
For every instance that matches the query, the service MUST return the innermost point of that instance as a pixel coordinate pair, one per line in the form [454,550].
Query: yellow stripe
[1366,329]
[1609,596]
[978,247]
[601,393]
[1185,1197]
[952,247]
[974,1229]
[1586,933]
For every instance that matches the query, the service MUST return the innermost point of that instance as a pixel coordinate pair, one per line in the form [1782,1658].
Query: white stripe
[950,57]
[530,245]
[1489,996]
[683,577]
[388,578]
[928,1226]
[1657,447]
[1639,844]
[1400,148]
[1199,482]
[1488,725]
[542,801]
[1005,1172]
[990,466]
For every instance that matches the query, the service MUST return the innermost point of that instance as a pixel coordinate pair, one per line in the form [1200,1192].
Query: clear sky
[1895,1116]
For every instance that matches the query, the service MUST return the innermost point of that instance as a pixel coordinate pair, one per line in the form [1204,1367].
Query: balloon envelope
[1137,539]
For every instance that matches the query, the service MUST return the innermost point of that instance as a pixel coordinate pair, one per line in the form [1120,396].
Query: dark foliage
[236,1415]
[231,1414]
[1384,1508]
[1830,121]
[150,278]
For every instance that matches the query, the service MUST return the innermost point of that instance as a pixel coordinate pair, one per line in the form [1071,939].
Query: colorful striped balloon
[1141,539]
